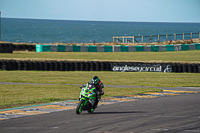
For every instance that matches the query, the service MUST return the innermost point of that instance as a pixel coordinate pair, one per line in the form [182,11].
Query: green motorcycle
[87,99]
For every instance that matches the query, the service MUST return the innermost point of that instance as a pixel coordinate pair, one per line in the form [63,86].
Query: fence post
[150,38]
[166,38]
[142,37]
[133,39]
[158,38]
[199,35]
[113,39]
[174,37]
[183,36]
[123,39]
[191,36]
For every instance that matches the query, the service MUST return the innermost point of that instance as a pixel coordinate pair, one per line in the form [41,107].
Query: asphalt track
[178,113]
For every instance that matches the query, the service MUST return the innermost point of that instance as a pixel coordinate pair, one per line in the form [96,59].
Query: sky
[104,10]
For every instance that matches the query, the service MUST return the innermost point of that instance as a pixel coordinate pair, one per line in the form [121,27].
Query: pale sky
[104,10]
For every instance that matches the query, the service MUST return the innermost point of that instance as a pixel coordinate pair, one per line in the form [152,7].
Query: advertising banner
[133,67]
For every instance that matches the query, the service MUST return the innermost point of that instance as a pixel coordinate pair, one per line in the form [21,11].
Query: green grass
[180,56]
[18,95]
[108,78]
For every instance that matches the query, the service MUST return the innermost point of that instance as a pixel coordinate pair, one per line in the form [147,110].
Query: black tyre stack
[6,48]
[84,66]
[23,47]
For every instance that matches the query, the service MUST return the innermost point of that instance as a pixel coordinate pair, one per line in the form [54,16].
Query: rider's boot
[95,104]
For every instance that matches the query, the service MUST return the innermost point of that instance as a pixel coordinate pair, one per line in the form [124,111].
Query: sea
[71,31]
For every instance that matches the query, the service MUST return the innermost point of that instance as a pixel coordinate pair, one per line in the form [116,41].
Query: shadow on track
[117,112]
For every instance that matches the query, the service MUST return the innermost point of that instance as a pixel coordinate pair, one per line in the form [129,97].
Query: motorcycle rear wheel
[79,107]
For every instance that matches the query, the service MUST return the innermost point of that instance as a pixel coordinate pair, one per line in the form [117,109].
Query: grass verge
[175,56]
[19,95]
[108,78]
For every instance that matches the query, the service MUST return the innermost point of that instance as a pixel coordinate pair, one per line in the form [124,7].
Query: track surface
[165,114]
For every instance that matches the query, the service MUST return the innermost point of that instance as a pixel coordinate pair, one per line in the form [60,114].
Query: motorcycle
[87,99]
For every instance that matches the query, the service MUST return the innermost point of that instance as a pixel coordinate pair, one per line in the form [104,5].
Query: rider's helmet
[95,80]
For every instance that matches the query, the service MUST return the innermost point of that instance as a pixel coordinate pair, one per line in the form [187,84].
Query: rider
[100,89]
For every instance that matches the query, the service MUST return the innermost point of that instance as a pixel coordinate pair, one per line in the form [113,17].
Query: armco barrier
[169,48]
[54,48]
[124,48]
[197,46]
[192,47]
[9,48]
[46,48]
[147,48]
[43,48]
[162,47]
[61,48]
[98,66]
[184,47]
[38,48]
[139,48]
[155,48]
[131,48]
[76,48]
[83,48]
[100,48]
[108,49]
[177,47]
[115,48]
[92,48]
[69,48]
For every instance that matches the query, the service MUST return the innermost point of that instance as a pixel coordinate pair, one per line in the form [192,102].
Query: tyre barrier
[9,47]
[90,66]
[6,48]
[23,47]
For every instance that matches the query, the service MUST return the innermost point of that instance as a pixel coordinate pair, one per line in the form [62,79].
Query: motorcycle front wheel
[79,107]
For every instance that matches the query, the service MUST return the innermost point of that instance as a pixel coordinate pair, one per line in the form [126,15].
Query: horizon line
[97,20]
